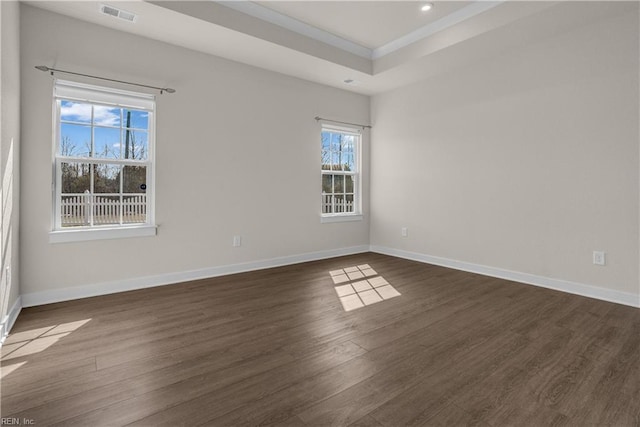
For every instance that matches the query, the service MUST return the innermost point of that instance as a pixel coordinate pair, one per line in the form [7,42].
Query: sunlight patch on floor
[7,369]
[33,341]
[359,286]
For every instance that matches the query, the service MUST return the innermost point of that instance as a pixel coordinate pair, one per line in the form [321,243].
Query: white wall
[525,162]
[9,162]
[237,153]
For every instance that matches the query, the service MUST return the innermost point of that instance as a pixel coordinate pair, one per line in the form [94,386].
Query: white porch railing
[78,209]
[341,205]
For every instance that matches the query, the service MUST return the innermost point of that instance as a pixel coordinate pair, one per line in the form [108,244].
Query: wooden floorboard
[275,347]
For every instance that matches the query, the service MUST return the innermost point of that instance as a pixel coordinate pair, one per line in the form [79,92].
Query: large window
[103,158]
[340,172]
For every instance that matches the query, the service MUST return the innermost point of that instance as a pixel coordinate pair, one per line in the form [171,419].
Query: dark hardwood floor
[276,347]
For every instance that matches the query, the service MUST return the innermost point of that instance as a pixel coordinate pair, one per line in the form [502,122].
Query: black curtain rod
[52,70]
[318,118]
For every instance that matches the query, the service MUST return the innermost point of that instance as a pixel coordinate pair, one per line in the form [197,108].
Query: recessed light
[427,7]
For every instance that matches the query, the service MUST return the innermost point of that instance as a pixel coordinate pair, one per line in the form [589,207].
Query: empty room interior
[366,213]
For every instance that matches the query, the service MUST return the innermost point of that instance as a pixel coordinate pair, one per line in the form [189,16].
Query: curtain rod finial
[42,67]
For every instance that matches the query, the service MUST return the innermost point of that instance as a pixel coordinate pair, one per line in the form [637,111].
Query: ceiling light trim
[291,24]
[476,8]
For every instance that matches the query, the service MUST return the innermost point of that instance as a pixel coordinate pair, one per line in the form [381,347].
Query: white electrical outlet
[404,231]
[237,241]
[599,258]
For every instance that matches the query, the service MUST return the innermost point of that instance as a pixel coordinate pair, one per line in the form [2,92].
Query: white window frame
[97,95]
[356,215]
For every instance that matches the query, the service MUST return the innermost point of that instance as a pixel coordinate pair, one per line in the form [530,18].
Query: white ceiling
[380,45]
[371,24]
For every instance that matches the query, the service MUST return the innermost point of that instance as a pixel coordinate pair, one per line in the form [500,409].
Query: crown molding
[276,18]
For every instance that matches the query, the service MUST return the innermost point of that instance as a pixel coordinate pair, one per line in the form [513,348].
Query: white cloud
[106,116]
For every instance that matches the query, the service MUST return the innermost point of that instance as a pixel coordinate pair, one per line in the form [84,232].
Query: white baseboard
[67,294]
[10,319]
[610,295]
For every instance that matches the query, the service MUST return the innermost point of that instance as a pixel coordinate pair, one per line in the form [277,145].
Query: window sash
[92,195]
[337,172]
[92,126]
[103,160]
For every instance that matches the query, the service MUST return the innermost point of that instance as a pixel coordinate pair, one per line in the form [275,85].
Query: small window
[340,172]
[103,158]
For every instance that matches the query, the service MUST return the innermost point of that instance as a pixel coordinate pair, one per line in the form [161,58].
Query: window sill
[85,234]
[340,218]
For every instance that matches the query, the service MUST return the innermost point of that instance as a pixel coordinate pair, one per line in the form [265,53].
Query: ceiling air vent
[118,13]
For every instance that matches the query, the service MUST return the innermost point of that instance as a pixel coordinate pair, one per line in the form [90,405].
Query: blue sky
[109,136]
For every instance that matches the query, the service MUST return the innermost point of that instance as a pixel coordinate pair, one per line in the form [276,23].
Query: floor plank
[276,347]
